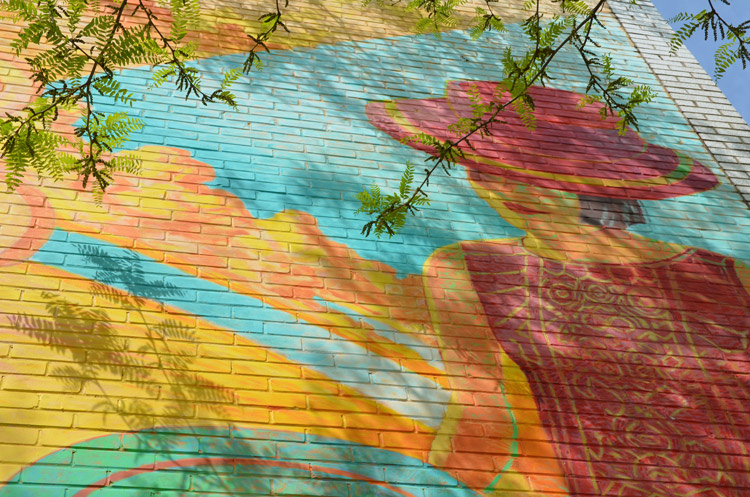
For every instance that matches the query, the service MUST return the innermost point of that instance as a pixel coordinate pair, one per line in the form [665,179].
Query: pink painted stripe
[228,461]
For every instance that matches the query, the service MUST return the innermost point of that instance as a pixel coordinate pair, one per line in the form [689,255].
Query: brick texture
[570,316]
[723,131]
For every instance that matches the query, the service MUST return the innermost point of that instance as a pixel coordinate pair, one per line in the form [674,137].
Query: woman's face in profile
[529,208]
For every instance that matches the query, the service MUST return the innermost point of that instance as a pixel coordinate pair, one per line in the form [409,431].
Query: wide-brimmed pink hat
[572,149]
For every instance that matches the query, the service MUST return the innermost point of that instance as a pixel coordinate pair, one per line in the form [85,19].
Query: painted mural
[590,329]
[570,318]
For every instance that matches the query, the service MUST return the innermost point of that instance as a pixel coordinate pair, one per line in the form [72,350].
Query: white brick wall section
[717,123]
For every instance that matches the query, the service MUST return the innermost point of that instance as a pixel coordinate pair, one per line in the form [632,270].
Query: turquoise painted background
[301,140]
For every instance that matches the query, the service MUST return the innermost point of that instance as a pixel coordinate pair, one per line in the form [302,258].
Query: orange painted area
[256,259]
[25,225]
[492,420]
[578,359]
[92,360]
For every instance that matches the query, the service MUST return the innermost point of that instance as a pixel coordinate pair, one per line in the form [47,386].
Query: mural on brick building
[570,318]
[634,353]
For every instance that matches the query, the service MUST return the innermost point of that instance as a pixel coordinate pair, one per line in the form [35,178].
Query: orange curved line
[226,461]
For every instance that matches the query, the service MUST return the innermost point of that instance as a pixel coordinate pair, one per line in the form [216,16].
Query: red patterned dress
[641,372]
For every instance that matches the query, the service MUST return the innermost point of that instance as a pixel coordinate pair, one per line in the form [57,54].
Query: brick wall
[569,317]
[708,111]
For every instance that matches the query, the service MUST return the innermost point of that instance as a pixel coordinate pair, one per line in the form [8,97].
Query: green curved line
[513,445]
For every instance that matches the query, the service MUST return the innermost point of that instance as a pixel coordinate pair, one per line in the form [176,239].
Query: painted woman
[585,359]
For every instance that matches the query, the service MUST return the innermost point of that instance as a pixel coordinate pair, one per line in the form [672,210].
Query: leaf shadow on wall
[301,140]
[147,382]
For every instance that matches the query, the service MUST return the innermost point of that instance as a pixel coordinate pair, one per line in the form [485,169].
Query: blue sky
[734,83]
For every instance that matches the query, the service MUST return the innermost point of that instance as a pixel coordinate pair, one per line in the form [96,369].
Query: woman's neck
[596,244]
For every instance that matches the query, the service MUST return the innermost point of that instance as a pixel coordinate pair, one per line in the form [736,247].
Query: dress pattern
[641,372]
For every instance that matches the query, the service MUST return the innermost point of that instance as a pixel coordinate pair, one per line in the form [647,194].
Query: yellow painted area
[510,423]
[87,360]
[175,203]
[314,22]
[82,374]
[79,359]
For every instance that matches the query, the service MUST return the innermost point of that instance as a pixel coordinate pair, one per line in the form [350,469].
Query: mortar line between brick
[660,67]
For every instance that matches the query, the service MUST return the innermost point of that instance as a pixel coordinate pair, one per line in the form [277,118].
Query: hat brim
[571,149]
